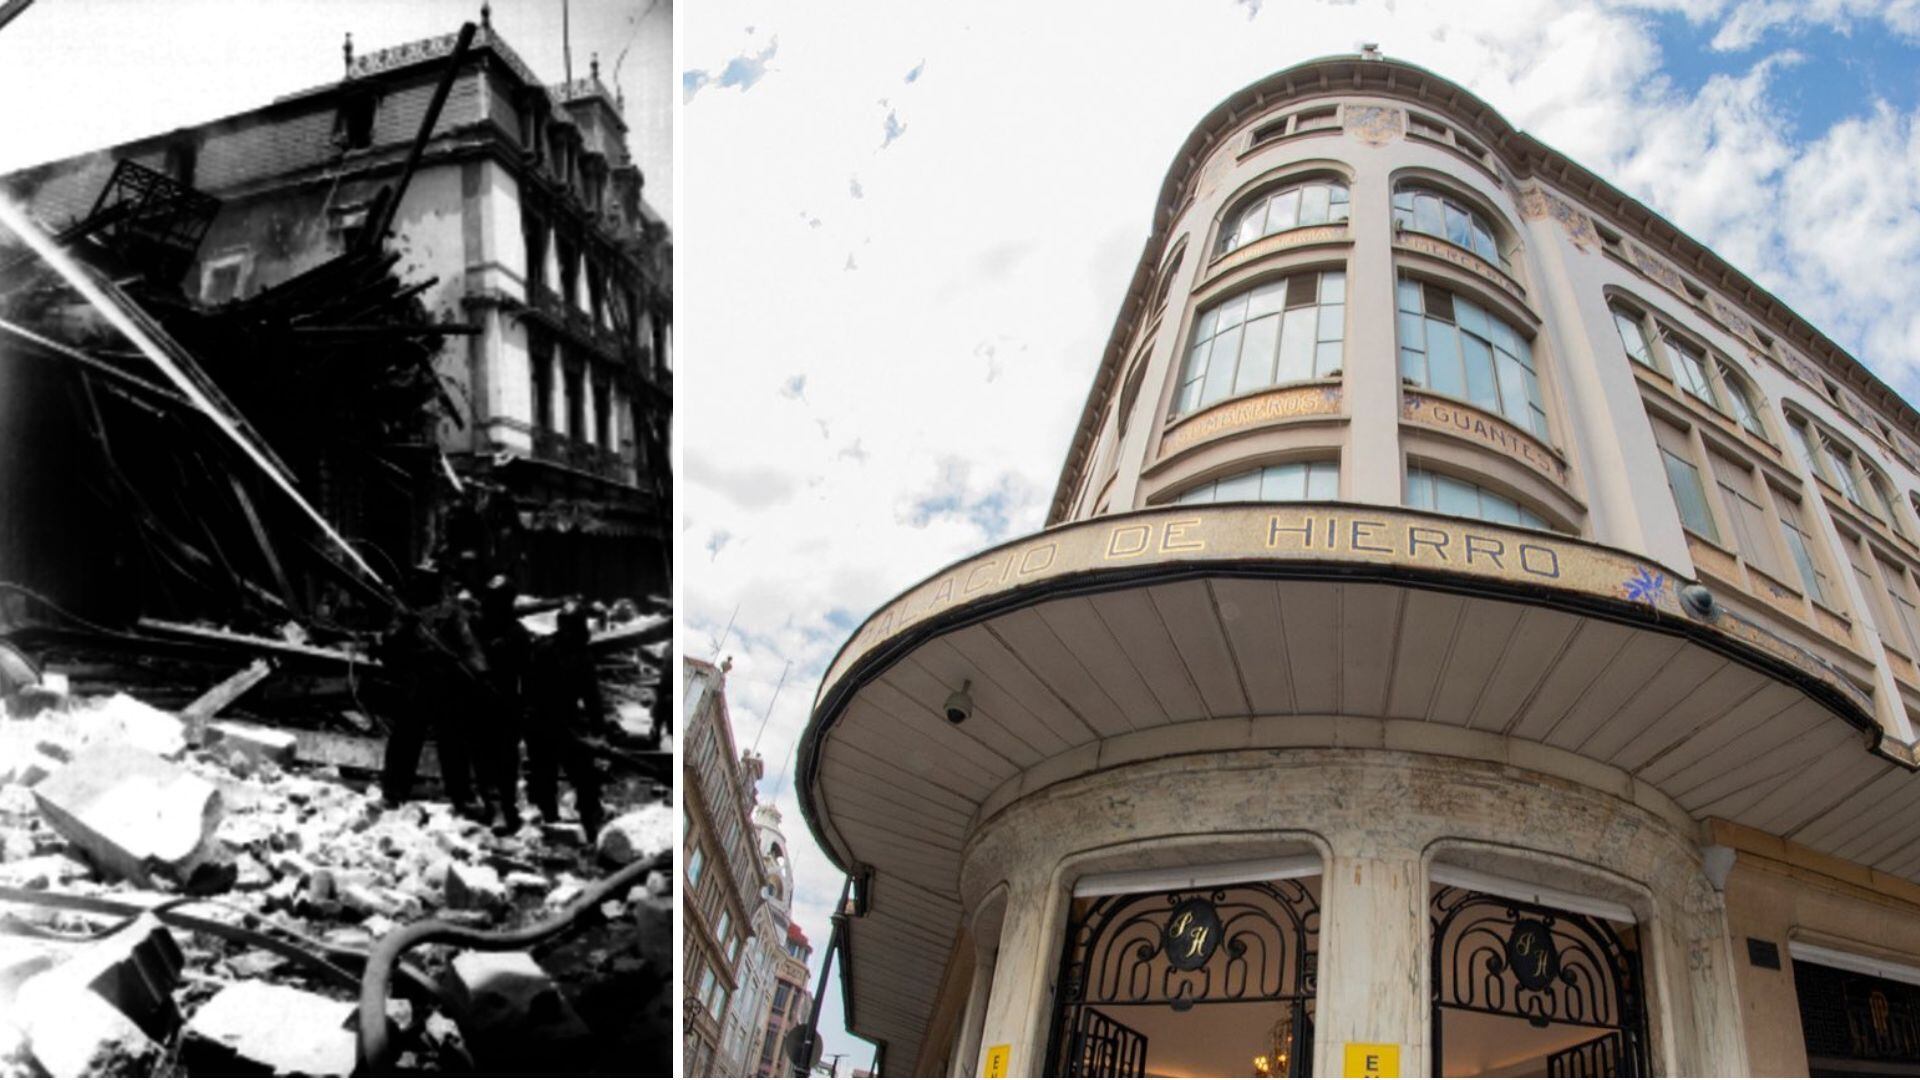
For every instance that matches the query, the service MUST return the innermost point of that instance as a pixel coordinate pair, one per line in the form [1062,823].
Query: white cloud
[947,315]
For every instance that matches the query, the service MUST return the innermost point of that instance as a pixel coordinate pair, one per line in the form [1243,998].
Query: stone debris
[251,1027]
[475,887]
[510,1001]
[123,802]
[253,741]
[133,813]
[107,1008]
[637,835]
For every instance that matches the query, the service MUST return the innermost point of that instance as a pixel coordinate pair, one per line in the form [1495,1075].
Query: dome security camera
[960,704]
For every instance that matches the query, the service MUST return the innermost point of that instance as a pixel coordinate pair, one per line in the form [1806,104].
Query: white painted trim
[1845,961]
[1161,879]
[1462,878]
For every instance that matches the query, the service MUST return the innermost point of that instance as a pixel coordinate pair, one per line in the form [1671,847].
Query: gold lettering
[1199,941]
[974,574]
[1045,554]
[1175,536]
[1137,538]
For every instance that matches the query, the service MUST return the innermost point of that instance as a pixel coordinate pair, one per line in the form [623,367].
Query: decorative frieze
[1538,203]
[1243,414]
[1483,429]
[1374,125]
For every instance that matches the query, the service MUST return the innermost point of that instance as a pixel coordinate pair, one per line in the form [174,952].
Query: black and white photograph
[336,395]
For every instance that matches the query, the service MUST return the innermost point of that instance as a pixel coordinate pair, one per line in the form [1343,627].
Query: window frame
[1539,420]
[1315,470]
[1207,332]
[1414,471]
[1727,389]
[1415,187]
[1227,241]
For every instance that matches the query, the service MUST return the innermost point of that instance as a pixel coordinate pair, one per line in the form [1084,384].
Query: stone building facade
[526,223]
[724,989]
[792,1003]
[1476,634]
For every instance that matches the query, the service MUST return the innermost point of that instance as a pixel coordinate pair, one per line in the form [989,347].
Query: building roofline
[1525,155]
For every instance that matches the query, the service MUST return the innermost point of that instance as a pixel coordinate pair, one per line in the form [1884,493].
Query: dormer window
[353,126]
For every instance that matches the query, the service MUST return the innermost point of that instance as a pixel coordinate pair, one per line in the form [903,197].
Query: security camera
[959,704]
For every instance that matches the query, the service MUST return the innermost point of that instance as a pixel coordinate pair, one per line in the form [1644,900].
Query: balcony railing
[585,457]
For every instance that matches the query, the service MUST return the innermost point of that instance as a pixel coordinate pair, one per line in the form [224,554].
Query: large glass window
[1317,202]
[1453,346]
[1633,337]
[1801,548]
[1740,404]
[1280,332]
[1426,211]
[1741,498]
[1710,379]
[1445,495]
[1296,482]
[1691,499]
[1693,372]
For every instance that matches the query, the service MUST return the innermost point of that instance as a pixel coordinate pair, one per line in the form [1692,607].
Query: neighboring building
[792,1003]
[526,225]
[1476,631]
[775,944]
[760,961]
[723,887]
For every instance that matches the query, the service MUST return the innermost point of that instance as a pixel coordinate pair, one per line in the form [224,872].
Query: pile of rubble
[181,896]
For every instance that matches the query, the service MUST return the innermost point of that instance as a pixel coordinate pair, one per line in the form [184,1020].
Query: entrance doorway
[1522,988]
[1214,980]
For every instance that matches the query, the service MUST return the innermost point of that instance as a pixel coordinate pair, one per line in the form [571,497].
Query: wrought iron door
[1103,1046]
[1232,944]
[1502,957]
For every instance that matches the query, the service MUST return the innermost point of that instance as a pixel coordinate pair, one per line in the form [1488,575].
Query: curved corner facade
[1476,634]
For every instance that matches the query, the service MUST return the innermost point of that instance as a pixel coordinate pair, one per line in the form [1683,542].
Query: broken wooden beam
[208,705]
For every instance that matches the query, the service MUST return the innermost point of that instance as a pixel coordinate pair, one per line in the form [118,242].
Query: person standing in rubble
[436,667]
[566,710]
[507,646]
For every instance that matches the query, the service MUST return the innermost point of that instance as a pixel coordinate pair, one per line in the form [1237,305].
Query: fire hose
[375,1052]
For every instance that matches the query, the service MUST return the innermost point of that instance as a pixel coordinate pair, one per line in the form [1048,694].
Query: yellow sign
[1372,1059]
[997,1059]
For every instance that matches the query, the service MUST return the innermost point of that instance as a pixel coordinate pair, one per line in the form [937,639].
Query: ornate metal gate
[1502,957]
[1230,944]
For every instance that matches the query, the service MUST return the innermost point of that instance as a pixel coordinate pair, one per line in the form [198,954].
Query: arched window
[1453,346]
[1424,210]
[1708,378]
[1296,482]
[1834,460]
[1316,202]
[1445,495]
[1278,332]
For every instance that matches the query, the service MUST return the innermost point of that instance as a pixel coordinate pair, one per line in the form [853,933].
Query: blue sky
[901,286]
[1840,71]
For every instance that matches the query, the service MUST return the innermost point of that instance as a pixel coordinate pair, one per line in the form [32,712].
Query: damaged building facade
[520,227]
[1476,633]
[261,417]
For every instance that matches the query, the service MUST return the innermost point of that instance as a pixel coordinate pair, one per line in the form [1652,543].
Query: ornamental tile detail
[1374,125]
[1657,268]
[1537,204]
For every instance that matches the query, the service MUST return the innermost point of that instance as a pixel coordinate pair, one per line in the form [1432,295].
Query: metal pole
[566,38]
[11,9]
[378,231]
[768,715]
[805,1065]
